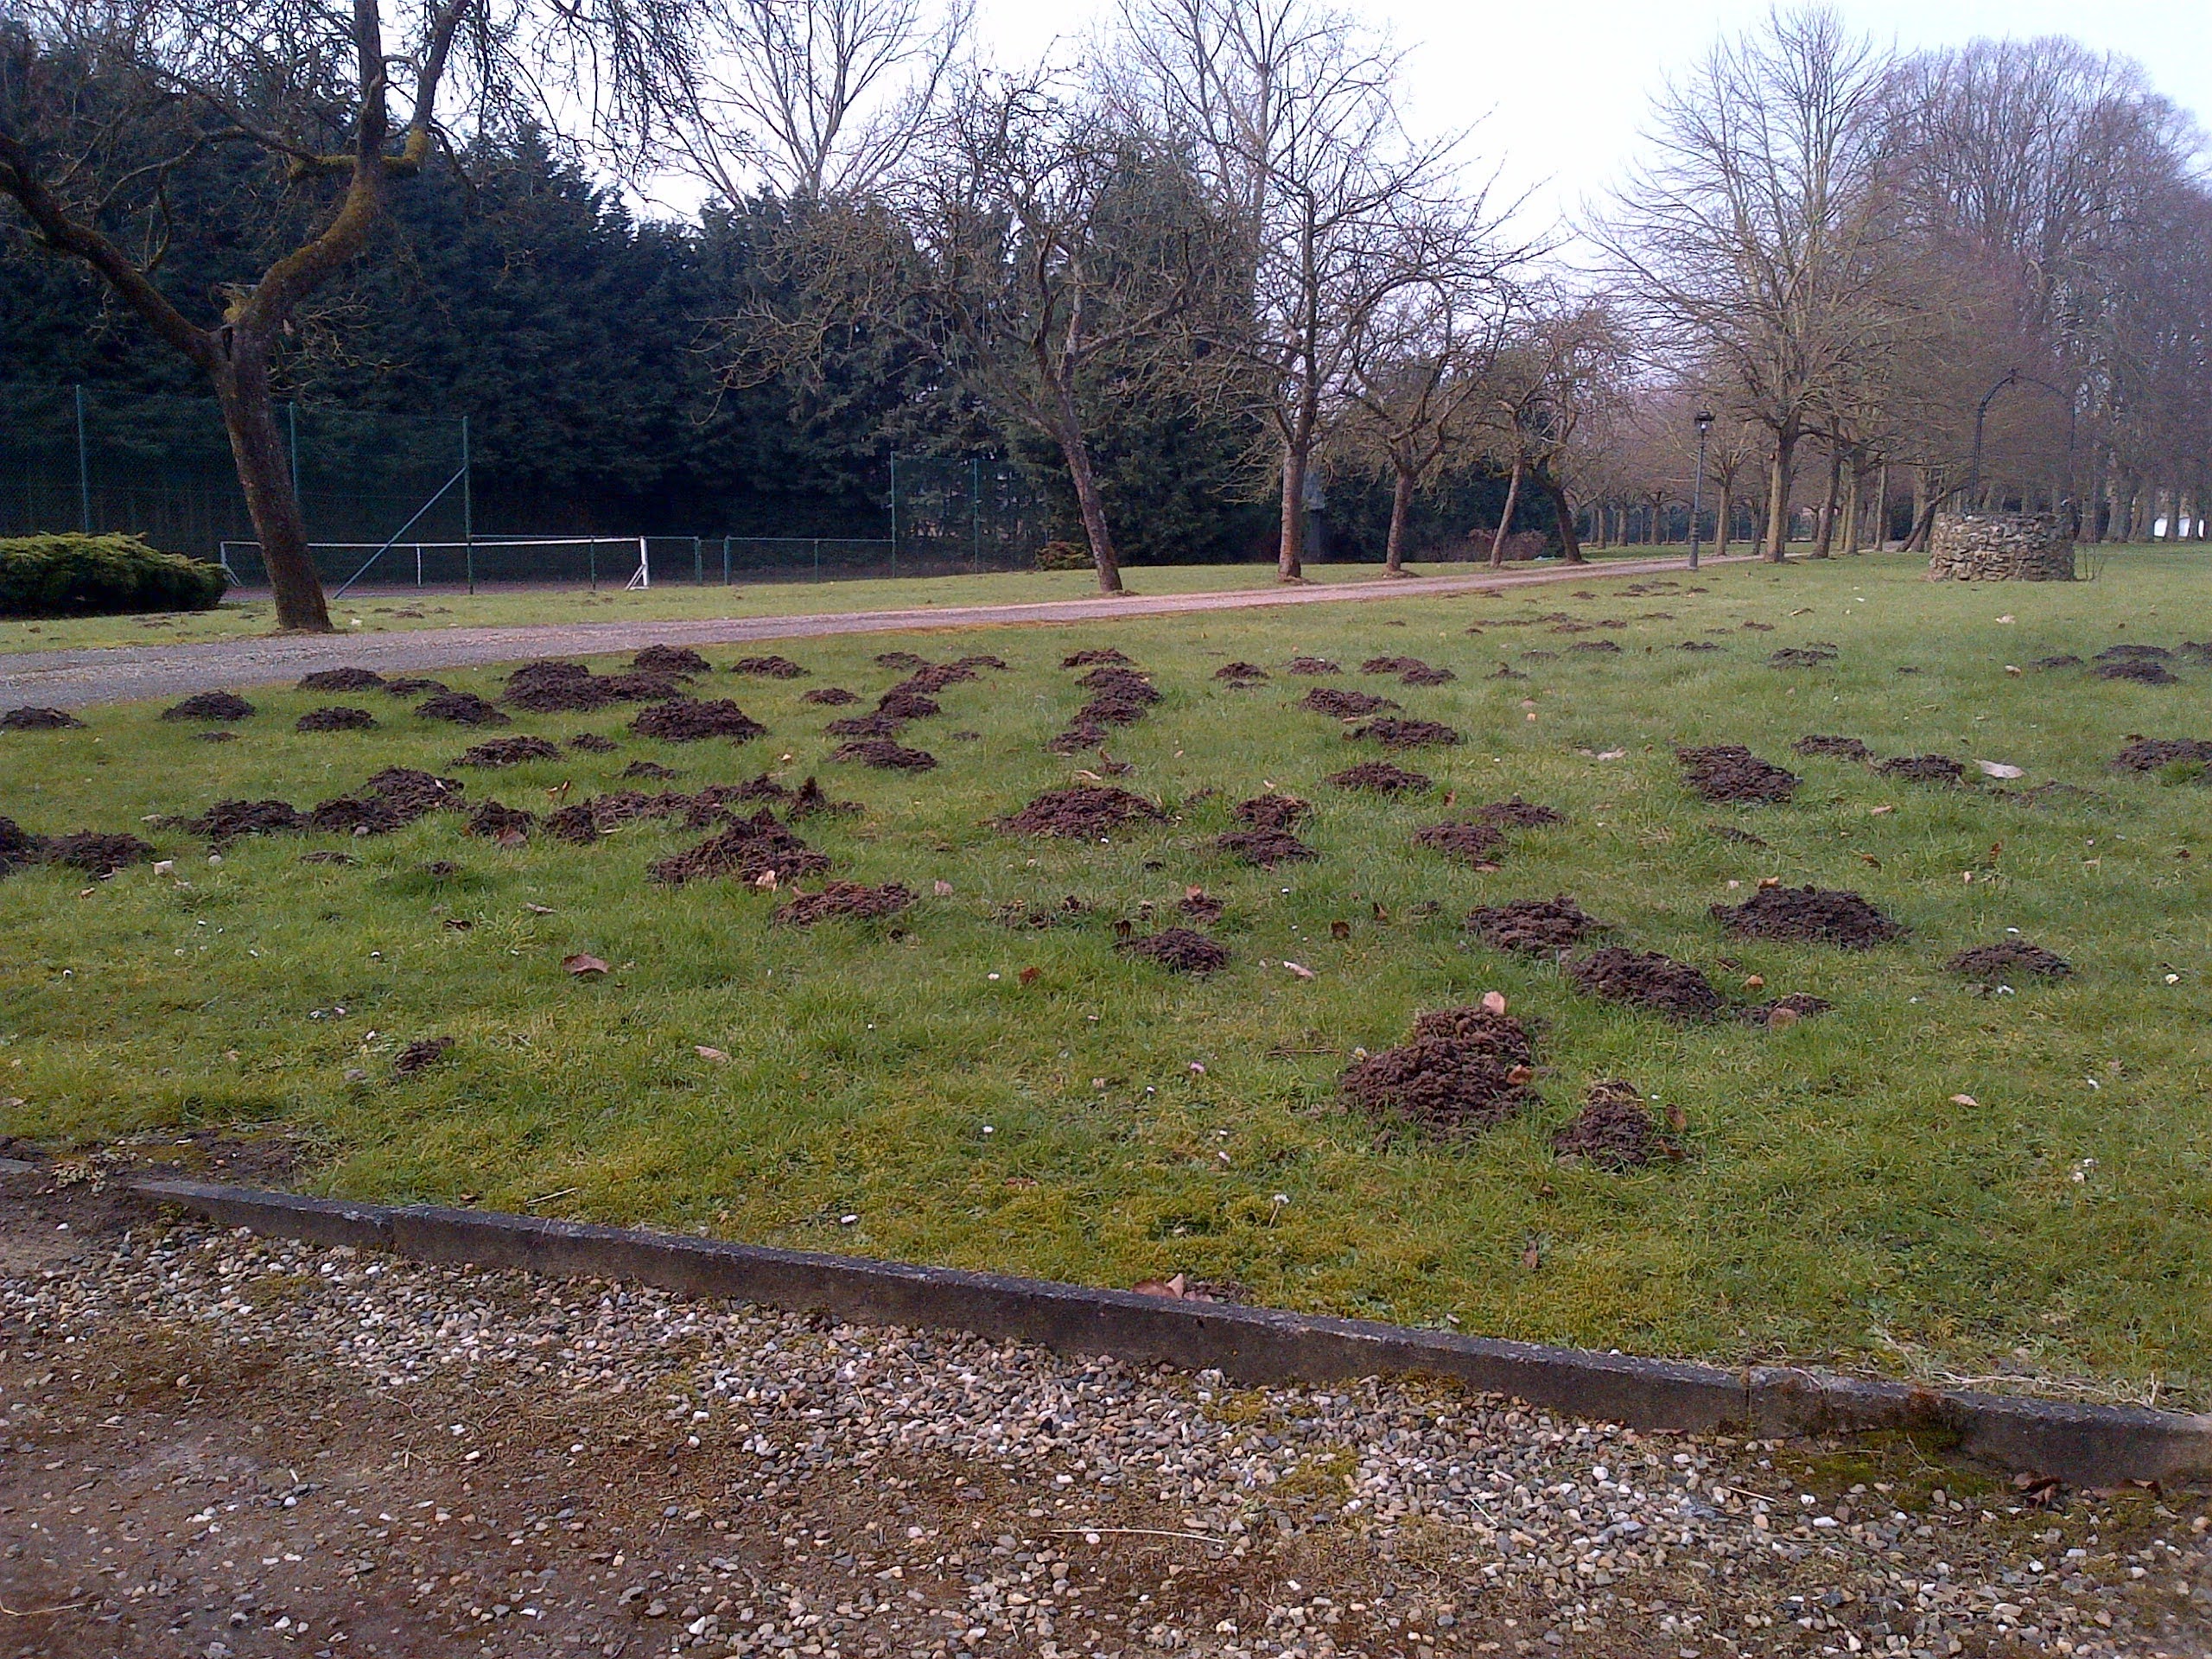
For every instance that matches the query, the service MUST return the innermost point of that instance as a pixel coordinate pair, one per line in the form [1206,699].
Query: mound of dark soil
[345,861]
[1801,656]
[574,824]
[1614,1132]
[1597,645]
[1394,733]
[461,708]
[1343,705]
[94,852]
[18,847]
[1015,913]
[492,820]
[762,788]
[420,1056]
[348,815]
[1180,948]
[830,697]
[898,704]
[1817,915]
[1381,778]
[1264,848]
[982,659]
[214,737]
[650,770]
[750,848]
[37,719]
[692,720]
[1795,1007]
[1697,644]
[593,743]
[599,691]
[1517,814]
[1729,772]
[2013,958]
[1839,748]
[2068,660]
[1923,769]
[2142,670]
[1274,812]
[1086,810]
[1125,684]
[2134,653]
[1648,980]
[228,820]
[670,660]
[768,668]
[848,898]
[1470,843]
[875,724]
[2152,753]
[1109,711]
[1201,906]
[414,793]
[413,687]
[342,679]
[1502,672]
[1083,735]
[1310,665]
[1241,673]
[884,755]
[1538,926]
[210,705]
[336,720]
[1465,1070]
[1393,665]
[932,677]
[1084,659]
[508,752]
[900,659]
[811,802]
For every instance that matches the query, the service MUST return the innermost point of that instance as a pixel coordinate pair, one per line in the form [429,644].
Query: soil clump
[593,743]
[494,822]
[884,755]
[2067,660]
[649,770]
[413,687]
[693,720]
[38,720]
[2142,670]
[1264,848]
[420,1056]
[342,679]
[507,752]
[1837,748]
[1647,979]
[830,697]
[461,708]
[1802,656]
[1241,673]
[1090,658]
[2010,957]
[1809,914]
[1517,814]
[1791,1008]
[95,852]
[1729,772]
[1274,812]
[901,660]
[227,821]
[750,848]
[875,724]
[210,705]
[1200,905]
[811,802]
[1534,926]
[1181,949]
[898,704]
[768,668]
[1343,705]
[1923,769]
[1015,913]
[2152,753]
[336,720]
[1310,665]
[848,898]
[1615,1132]
[1381,778]
[1470,843]
[1465,1070]
[1085,810]
[674,660]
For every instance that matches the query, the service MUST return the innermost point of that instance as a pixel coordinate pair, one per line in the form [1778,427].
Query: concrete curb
[2092,1445]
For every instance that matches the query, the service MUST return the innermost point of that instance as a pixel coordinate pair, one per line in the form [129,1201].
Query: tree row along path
[76,679]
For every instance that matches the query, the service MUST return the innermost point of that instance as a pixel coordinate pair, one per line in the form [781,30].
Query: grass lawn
[385,612]
[903,1089]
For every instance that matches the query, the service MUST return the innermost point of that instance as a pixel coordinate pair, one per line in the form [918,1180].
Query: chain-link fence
[389,503]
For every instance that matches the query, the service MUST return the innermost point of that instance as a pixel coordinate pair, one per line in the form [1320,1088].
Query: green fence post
[699,564]
[976,507]
[84,468]
[591,553]
[725,561]
[468,509]
[894,517]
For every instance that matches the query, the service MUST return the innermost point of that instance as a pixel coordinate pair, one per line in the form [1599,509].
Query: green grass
[1838,1207]
[381,612]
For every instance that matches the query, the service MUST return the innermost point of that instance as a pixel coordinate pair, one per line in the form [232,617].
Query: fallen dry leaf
[1532,1257]
[1869,858]
[1770,881]
[539,910]
[1879,810]
[1171,1288]
[1999,769]
[1340,930]
[1754,981]
[942,889]
[582,962]
[705,1052]
[1520,1074]
[766,880]
[1300,968]
[1781,1018]
[2014,668]
[1493,1002]
[1964,1100]
[2007,617]
[1029,976]
[1677,1119]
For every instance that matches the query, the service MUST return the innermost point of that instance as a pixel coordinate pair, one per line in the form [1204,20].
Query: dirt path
[74,679]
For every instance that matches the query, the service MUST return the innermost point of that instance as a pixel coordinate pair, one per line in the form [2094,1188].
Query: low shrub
[101,576]
[1063,556]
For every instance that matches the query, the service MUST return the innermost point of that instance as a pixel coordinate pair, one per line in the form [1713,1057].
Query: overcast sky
[1561,86]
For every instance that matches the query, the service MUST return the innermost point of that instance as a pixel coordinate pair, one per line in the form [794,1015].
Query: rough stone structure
[2001,547]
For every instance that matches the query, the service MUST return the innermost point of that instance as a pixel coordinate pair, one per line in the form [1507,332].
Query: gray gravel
[1429,1521]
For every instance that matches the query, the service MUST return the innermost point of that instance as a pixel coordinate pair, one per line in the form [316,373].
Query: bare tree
[1561,375]
[104,103]
[815,97]
[1760,238]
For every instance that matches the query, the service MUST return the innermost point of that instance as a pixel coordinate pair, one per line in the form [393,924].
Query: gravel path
[216,1446]
[76,679]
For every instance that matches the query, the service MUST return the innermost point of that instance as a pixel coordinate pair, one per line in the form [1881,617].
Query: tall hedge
[101,576]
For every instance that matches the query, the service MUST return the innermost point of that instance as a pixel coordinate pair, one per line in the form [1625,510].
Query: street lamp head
[1703,420]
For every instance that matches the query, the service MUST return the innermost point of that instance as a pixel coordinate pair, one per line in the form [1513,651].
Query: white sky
[1561,86]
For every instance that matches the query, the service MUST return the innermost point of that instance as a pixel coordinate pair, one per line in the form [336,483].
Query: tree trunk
[1882,508]
[1506,518]
[1078,453]
[1780,472]
[1720,522]
[1290,563]
[1570,545]
[1824,527]
[265,476]
[1401,500]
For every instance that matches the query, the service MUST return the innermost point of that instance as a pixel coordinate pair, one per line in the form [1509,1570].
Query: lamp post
[1704,421]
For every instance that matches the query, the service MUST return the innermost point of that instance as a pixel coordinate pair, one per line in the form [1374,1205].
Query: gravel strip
[872,1491]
